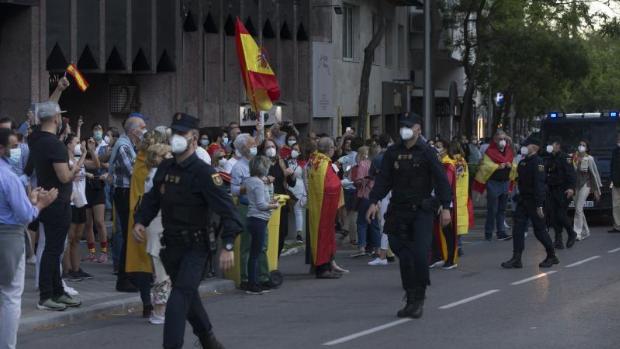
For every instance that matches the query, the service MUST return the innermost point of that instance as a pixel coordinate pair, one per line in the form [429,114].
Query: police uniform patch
[541,168]
[217,179]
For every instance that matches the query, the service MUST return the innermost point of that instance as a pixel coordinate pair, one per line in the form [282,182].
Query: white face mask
[618,144]
[225,140]
[204,142]
[178,144]
[107,139]
[77,151]
[294,154]
[439,149]
[524,151]
[253,151]
[222,162]
[15,155]
[549,149]
[142,133]
[270,152]
[292,142]
[406,133]
[581,149]
[502,143]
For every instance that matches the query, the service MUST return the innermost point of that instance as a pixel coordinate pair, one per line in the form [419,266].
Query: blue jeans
[368,235]
[257,228]
[497,197]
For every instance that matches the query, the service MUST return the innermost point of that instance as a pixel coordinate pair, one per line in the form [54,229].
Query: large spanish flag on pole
[261,84]
[325,197]
[79,78]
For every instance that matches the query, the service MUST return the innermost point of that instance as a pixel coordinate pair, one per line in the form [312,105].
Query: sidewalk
[98,296]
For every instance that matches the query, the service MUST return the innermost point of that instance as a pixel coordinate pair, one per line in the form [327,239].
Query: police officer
[560,184]
[185,188]
[413,170]
[531,181]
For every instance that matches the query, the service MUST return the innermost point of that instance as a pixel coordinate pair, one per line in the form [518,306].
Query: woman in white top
[298,165]
[588,180]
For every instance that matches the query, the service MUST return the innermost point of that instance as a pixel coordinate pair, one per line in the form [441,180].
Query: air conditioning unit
[124,99]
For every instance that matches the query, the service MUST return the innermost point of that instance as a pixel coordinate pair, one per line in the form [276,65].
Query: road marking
[367,332]
[583,261]
[467,300]
[533,278]
[614,250]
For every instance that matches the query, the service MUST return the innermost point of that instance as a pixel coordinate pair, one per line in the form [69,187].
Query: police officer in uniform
[413,170]
[560,184]
[185,188]
[530,203]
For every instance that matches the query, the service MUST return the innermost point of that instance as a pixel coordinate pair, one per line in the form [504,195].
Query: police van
[599,130]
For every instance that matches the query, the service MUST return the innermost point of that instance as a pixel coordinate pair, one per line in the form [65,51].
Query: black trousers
[557,208]
[142,281]
[185,265]
[410,235]
[526,209]
[55,219]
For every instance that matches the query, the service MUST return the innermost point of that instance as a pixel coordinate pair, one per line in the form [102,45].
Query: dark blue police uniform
[411,173]
[185,191]
[560,178]
[531,199]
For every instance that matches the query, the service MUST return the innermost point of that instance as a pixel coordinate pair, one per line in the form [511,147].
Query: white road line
[467,300]
[614,250]
[367,332]
[533,278]
[583,261]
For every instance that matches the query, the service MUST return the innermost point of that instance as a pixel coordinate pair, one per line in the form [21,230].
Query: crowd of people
[58,183]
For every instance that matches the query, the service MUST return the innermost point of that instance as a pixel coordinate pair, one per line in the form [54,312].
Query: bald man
[121,168]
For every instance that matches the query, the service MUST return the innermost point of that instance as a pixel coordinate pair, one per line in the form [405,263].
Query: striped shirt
[123,168]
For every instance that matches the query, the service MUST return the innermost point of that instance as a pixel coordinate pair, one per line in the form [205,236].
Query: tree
[369,57]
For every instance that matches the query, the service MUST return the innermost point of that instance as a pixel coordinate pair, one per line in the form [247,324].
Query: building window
[389,44]
[348,32]
[401,46]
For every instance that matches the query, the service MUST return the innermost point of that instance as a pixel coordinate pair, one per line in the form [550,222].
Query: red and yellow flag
[261,84]
[79,78]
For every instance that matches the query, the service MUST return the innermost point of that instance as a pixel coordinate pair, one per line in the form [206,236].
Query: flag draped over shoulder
[138,261]
[490,163]
[325,196]
[79,78]
[261,84]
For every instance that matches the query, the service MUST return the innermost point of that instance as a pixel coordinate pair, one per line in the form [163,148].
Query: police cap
[183,122]
[410,119]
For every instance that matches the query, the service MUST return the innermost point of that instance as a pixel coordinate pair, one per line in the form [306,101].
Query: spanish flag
[79,78]
[325,197]
[261,84]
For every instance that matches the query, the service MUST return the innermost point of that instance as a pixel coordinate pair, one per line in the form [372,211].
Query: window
[348,31]
[401,46]
[389,44]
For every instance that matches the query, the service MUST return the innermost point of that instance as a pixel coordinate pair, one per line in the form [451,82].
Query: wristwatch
[229,247]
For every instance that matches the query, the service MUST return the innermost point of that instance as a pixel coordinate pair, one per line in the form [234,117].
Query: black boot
[559,245]
[549,261]
[208,341]
[415,304]
[572,237]
[514,262]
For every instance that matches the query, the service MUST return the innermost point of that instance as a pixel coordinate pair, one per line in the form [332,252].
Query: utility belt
[185,238]
[400,219]
[429,205]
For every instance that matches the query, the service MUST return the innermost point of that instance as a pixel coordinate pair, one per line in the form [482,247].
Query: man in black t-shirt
[51,164]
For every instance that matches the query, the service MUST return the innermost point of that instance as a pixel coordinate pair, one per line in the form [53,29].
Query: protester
[51,163]
[120,170]
[77,156]
[260,205]
[494,175]
[298,191]
[588,181]
[160,291]
[615,185]
[16,211]
[324,198]
[368,234]
[96,196]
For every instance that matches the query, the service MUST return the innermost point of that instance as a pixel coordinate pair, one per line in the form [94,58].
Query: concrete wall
[15,60]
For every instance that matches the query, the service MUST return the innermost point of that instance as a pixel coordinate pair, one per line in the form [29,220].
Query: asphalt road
[478,305]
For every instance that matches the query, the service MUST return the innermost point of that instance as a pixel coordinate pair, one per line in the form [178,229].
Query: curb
[48,320]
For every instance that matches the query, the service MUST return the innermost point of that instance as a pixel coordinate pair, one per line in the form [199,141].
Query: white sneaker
[157,319]
[378,261]
[32,260]
[437,264]
[69,290]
